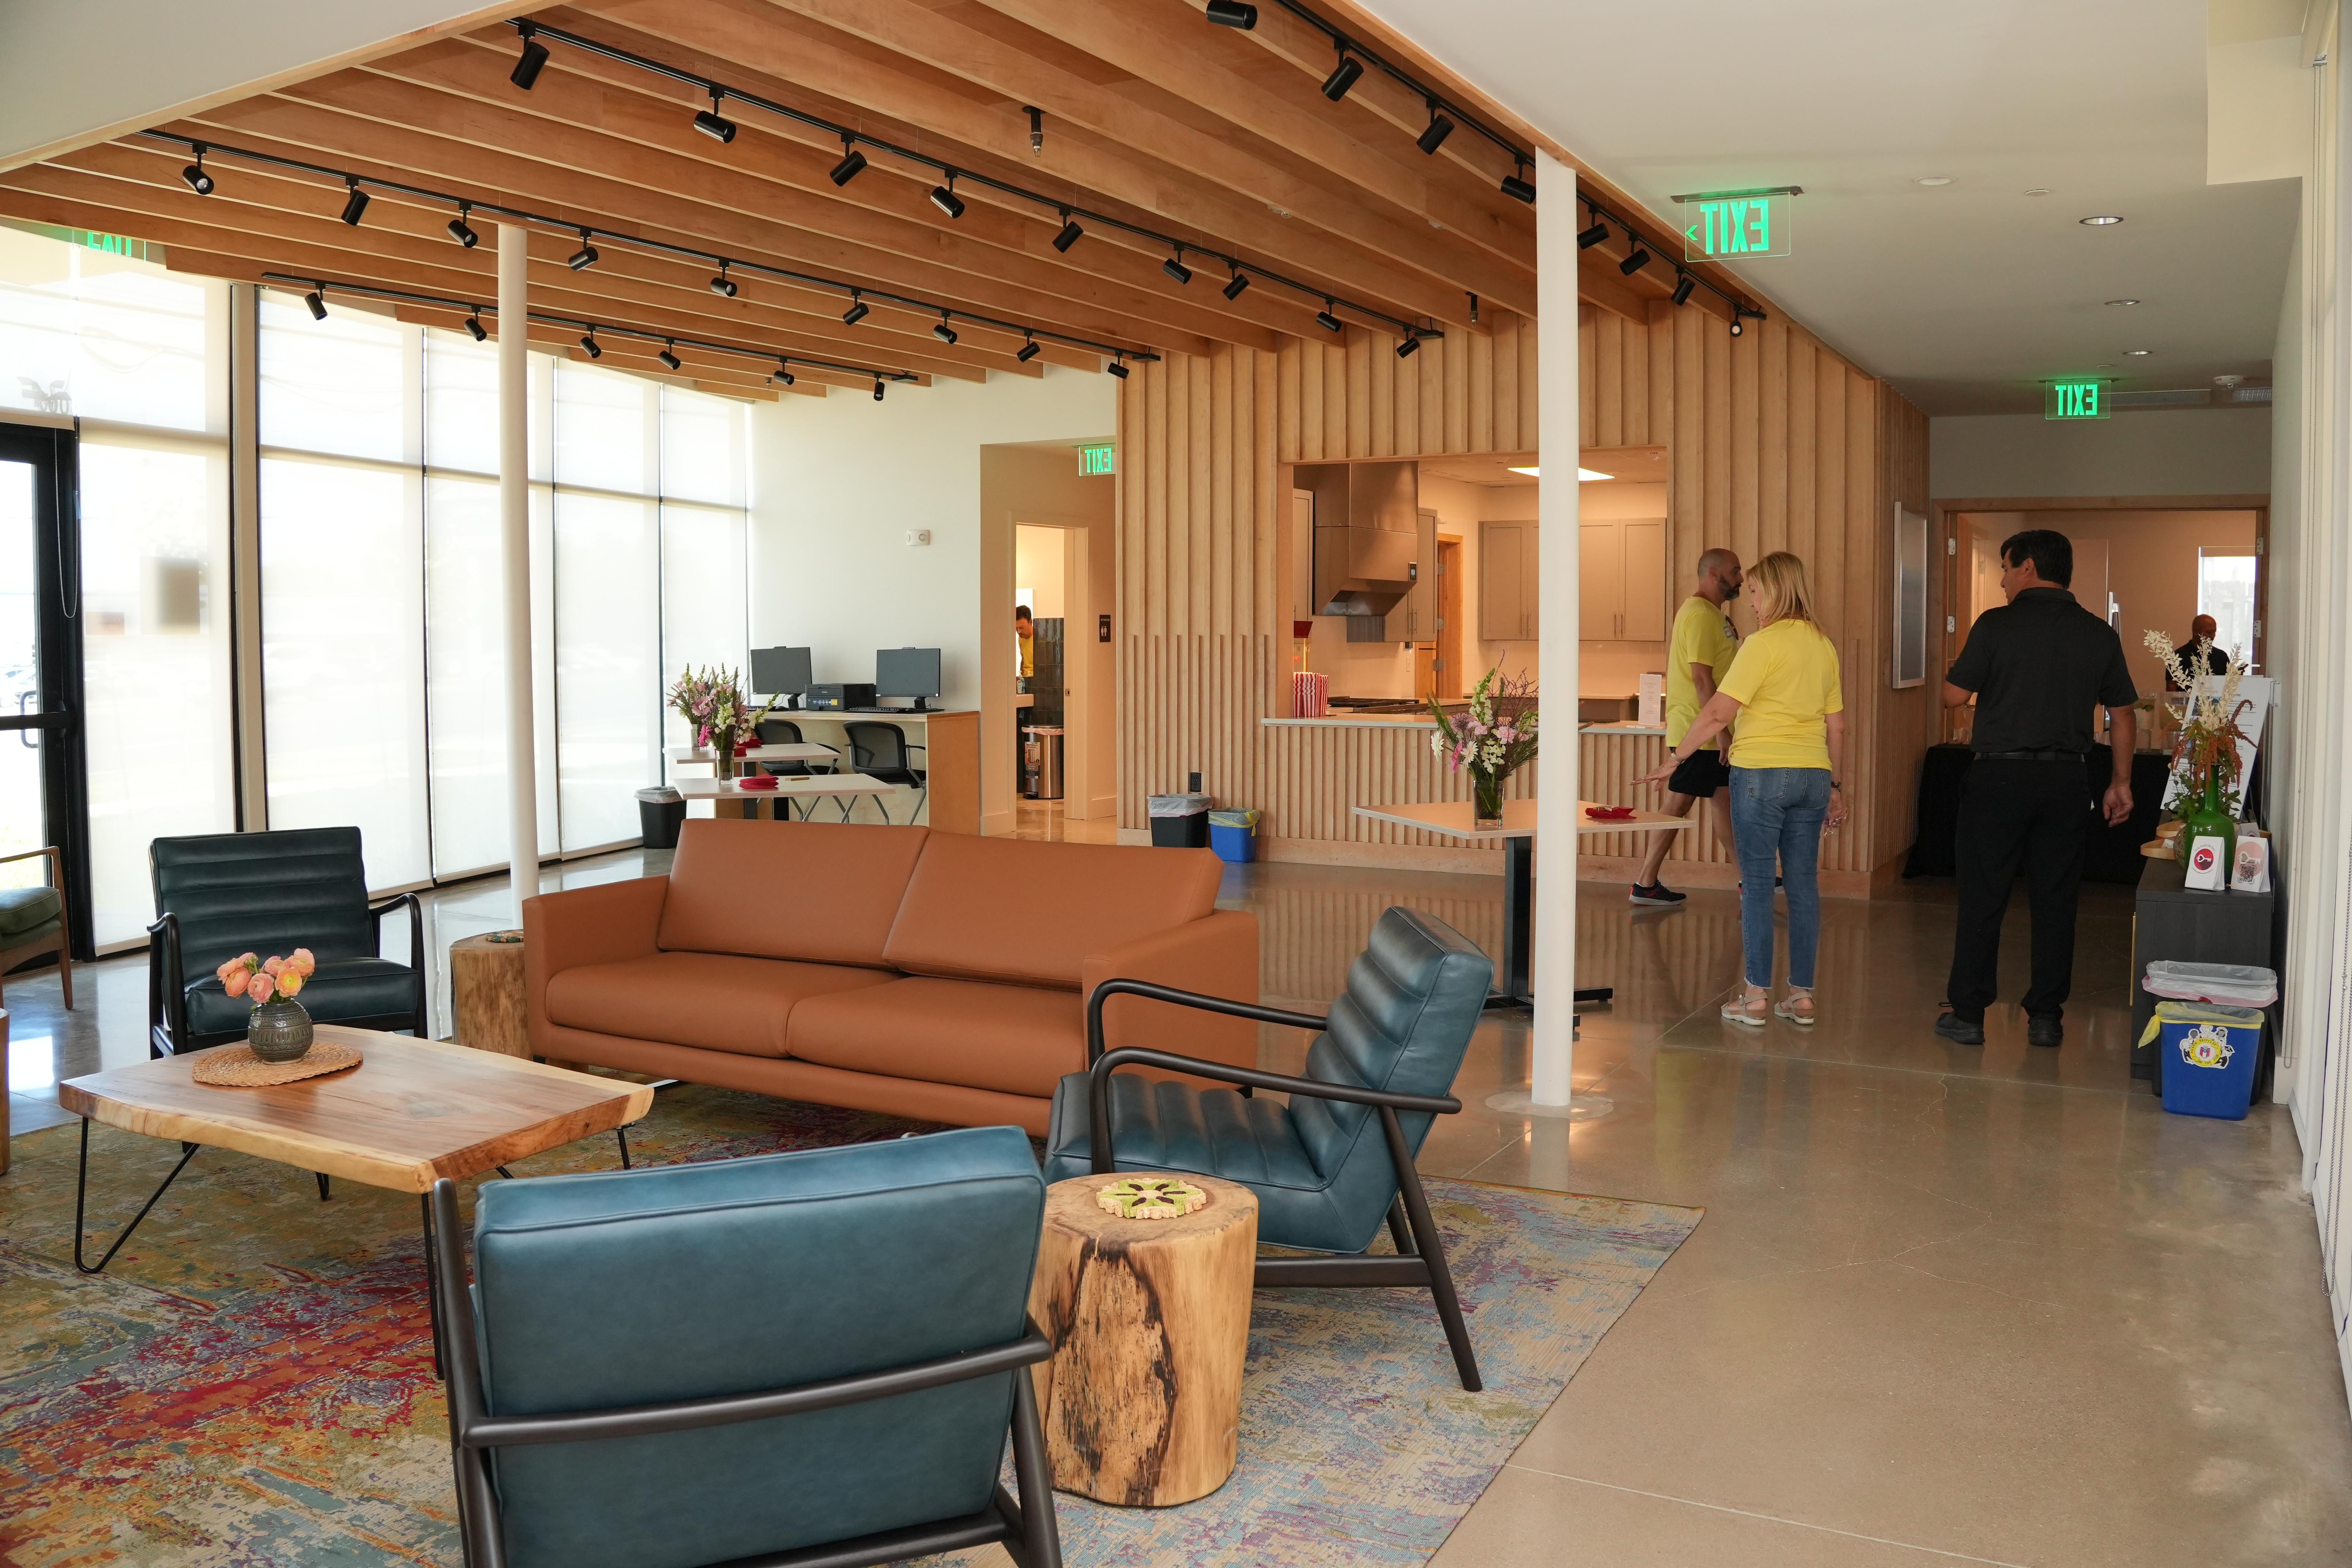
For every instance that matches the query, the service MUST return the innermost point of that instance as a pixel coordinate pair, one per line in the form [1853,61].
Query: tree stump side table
[1149,1321]
[486,993]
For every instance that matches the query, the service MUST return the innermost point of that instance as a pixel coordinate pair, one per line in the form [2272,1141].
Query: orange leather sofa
[937,975]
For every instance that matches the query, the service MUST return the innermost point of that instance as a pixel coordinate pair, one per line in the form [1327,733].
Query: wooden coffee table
[411,1112]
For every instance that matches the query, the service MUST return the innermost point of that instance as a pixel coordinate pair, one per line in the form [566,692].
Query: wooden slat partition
[1777,443]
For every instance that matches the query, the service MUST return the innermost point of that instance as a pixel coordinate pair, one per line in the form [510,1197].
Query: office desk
[728,797]
[781,752]
[949,759]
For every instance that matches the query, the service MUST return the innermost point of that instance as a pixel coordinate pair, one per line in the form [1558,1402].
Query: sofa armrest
[580,926]
[1217,955]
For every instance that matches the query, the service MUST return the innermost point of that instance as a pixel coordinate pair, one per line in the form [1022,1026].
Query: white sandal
[1749,1009]
[1787,1007]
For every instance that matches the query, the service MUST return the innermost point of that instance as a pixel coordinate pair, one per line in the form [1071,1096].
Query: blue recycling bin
[2210,1054]
[1234,836]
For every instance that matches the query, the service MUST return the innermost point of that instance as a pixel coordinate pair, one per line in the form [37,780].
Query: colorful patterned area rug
[250,1381]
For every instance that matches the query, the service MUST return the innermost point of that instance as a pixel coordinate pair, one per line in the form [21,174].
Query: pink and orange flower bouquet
[259,980]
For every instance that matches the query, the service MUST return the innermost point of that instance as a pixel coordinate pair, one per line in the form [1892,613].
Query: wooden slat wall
[1776,443]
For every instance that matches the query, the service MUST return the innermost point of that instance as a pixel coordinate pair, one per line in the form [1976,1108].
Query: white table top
[815,784]
[781,752]
[1457,818]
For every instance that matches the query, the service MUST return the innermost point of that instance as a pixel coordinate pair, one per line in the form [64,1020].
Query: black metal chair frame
[922,775]
[1026,1528]
[1420,1259]
[167,986]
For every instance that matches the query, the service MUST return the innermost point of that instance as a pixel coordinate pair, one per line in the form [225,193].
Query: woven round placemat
[236,1066]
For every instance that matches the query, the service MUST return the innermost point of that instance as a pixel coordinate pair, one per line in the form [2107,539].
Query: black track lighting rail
[1742,309]
[588,231]
[1347,44]
[1065,213]
[610,329]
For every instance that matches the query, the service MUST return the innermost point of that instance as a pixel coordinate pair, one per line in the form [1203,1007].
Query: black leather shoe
[1958,1030]
[2043,1029]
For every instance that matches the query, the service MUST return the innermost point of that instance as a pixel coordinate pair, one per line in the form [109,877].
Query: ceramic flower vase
[278,1031]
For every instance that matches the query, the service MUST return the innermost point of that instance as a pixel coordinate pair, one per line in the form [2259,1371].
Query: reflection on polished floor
[1946,1305]
[1048,819]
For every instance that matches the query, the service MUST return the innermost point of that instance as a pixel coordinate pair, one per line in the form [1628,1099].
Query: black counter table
[2188,925]
[2109,853]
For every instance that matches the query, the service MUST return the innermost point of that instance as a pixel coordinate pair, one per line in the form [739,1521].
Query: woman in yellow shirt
[1787,759]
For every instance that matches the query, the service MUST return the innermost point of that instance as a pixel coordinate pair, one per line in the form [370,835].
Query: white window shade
[607,663]
[108,337]
[706,607]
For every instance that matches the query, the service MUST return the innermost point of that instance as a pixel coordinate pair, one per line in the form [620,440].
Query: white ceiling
[1965,295]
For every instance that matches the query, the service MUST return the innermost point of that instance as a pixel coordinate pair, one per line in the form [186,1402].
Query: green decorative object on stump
[1150,1197]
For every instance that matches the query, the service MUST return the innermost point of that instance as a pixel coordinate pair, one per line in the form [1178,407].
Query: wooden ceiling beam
[940,40]
[789,57]
[328,133]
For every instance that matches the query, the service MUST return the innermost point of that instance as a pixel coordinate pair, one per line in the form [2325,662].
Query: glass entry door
[42,797]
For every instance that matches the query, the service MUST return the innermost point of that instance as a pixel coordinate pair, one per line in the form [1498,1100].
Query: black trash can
[1178,821]
[660,813]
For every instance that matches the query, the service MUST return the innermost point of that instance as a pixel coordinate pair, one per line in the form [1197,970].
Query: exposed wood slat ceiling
[1152,117]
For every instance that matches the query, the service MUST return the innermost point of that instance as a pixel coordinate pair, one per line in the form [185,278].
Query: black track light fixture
[1738,322]
[461,231]
[588,341]
[1118,367]
[1071,233]
[944,198]
[858,310]
[1325,320]
[355,204]
[1591,237]
[669,354]
[474,325]
[1518,187]
[1237,285]
[1683,284]
[713,124]
[1438,129]
[1635,262]
[1343,75]
[1233,14]
[1411,344]
[1036,130]
[944,333]
[584,258]
[783,376]
[534,59]
[1028,352]
[878,389]
[198,180]
[317,299]
[722,285]
[1174,267]
[852,165]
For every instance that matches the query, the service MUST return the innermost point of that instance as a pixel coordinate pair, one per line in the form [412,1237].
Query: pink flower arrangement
[259,980]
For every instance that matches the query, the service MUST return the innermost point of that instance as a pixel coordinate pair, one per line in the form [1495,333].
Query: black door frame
[54,454]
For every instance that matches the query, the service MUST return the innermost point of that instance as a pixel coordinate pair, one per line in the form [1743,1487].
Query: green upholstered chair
[1336,1162]
[33,921]
[813,1357]
[226,893]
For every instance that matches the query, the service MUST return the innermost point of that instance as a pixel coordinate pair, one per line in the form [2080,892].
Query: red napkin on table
[1610,812]
[756,781]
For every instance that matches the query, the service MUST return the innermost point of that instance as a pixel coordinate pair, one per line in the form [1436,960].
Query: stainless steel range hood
[1364,539]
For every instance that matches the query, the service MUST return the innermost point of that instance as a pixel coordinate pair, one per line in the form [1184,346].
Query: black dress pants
[2036,813]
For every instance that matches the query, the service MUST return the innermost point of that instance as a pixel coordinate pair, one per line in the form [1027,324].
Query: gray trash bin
[661,811]
[1041,761]
[1178,821]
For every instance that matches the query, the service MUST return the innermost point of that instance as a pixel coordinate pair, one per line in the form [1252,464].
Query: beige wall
[1037,568]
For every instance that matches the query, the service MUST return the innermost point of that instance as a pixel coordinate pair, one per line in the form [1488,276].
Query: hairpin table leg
[622,1134]
[432,1282]
[82,1189]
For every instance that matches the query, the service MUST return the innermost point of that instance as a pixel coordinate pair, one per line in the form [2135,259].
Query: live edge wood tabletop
[412,1111]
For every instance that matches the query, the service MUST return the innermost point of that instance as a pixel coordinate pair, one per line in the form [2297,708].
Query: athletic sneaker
[1659,895]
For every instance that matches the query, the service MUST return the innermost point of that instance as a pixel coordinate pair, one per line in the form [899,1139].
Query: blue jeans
[1777,814]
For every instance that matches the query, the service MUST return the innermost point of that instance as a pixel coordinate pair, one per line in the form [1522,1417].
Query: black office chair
[783,733]
[880,751]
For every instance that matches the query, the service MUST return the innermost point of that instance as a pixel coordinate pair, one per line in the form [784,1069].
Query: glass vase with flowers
[1491,737]
[721,717]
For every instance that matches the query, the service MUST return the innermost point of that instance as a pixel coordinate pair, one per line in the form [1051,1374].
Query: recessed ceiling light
[2123,302]
[1933,180]
[2101,221]
[2137,353]
[2039,191]
[1535,471]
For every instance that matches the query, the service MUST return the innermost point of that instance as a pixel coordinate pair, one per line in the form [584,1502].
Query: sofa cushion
[715,1001]
[1029,913]
[825,892]
[1015,1039]
[24,908]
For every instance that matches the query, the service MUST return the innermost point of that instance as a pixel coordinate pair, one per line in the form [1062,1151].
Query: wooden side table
[486,993]
[1150,1320]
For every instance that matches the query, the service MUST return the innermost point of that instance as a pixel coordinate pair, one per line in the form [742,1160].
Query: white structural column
[514,528]
[1553,970]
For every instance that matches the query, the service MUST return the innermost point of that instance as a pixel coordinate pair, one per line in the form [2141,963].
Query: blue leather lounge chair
[808,1358]
[1329,1166]
[226,893]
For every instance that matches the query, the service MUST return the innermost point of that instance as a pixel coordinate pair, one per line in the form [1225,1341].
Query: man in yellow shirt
[1703,646]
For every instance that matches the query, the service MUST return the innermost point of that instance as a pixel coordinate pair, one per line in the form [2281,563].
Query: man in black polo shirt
[2037,668]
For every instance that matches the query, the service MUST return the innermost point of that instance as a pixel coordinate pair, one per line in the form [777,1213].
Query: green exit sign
[1721,223]
[2074,400]
[1099,460]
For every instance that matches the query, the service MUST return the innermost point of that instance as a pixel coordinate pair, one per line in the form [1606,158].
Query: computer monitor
[780,671]
[907,672]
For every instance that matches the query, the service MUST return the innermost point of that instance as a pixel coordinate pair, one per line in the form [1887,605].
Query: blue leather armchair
[802,1358]
[225,893]
[1330,1165]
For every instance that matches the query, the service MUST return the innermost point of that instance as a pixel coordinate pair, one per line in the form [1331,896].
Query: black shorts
[1700,774]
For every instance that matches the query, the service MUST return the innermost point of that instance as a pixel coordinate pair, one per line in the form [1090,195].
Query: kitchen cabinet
[1508,609]
[1415,619]
[1621,580]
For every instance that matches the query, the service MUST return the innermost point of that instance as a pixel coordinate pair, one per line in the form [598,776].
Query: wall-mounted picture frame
[1910,559]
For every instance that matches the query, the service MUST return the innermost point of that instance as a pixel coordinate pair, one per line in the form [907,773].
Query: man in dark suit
[2216,659]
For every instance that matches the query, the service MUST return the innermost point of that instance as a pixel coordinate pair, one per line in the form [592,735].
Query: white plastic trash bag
[2229,984]
[1177,805]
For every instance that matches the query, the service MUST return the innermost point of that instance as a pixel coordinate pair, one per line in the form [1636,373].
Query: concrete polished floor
[1946,1305]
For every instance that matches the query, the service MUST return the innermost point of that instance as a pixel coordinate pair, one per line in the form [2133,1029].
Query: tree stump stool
[1149,1321]
[486,993]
